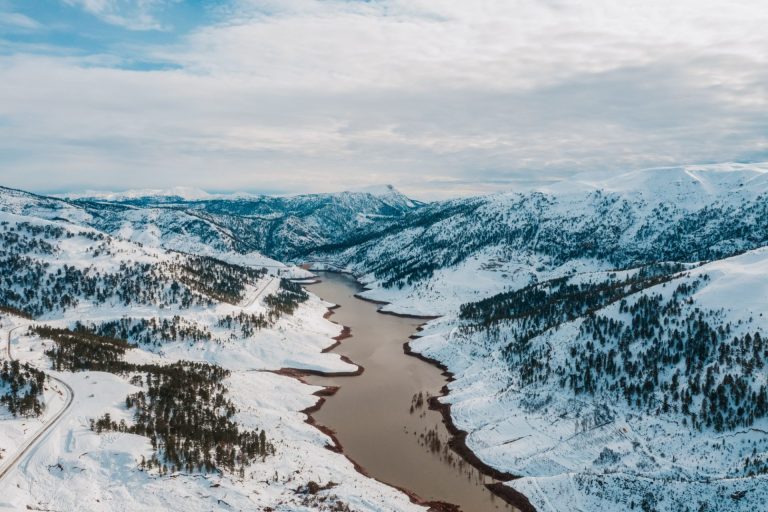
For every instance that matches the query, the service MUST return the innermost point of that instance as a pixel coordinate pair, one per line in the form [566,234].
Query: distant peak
[187,193]
[183,193]
[388,194]
[692,182]
[377,190]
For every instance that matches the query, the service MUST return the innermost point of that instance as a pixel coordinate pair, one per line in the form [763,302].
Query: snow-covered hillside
[281,227]
[122,333]
[607,379]
[607,398]
[447,253]
[608,336]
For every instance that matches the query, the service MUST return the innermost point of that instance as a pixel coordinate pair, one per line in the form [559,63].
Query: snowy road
[27,447]
[258,294]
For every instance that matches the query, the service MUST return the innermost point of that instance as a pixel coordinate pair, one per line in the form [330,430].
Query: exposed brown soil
[457,441]
[345,333]
[301,372]
[372,301]
[511,496]
[401,315]
[330,311]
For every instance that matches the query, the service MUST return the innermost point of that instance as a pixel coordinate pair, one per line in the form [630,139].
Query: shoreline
[458,438]
[427,318]
[336,447]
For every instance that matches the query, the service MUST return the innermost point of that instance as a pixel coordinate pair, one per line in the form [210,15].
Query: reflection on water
[382,418]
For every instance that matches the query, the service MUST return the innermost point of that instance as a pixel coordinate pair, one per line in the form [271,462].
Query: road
[259,293]
[10,464]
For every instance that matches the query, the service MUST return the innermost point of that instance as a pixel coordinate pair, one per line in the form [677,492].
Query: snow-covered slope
[606,335]
[171,194]
[281,227]
[75,283]
[660,391]
[446,253]
[607,379]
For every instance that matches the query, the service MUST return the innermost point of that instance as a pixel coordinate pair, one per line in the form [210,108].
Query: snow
[690,183]
[73,468]
[660,464]
[188,193]
[388,193]
[557,457]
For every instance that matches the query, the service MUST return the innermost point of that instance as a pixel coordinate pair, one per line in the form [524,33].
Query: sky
[437,97]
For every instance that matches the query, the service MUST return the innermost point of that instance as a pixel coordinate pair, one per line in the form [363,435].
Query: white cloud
[18,21]
[303,95]
[130,14]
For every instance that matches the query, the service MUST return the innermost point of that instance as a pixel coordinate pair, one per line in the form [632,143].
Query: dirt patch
[511,496]
[458,439]
[345,333]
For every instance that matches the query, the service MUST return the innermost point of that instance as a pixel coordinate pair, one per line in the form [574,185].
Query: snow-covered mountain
[137,378]
[234,228]
[514,239]
[605,336]
[157,194]
[280,227]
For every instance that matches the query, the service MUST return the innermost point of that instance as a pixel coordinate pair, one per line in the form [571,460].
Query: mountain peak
[186,193]
[388,194]
[695,184]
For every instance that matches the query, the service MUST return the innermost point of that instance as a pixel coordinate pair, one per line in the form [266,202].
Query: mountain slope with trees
[607,338]
[172,392]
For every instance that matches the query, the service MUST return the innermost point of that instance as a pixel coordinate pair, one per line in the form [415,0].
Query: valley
[605,341]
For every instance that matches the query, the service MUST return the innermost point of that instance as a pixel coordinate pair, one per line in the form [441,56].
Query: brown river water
[371,413]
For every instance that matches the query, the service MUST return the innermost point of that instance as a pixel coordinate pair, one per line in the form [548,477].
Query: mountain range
[605,334]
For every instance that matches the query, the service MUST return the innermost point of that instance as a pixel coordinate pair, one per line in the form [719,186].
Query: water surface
[372,413]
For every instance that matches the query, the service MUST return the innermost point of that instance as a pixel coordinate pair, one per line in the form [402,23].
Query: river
[378,417]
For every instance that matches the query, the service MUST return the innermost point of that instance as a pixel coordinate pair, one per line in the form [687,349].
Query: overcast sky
[438,97]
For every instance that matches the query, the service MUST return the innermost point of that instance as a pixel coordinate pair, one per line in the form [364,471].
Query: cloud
[129,14]
[18,21]
[301,95]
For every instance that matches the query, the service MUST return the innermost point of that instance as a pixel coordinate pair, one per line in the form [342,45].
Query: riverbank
[459,445]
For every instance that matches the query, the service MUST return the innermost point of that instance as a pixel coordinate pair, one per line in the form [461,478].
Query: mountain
[171,194]
[606,337]
[280,227]
[152,377]
[514,239]
[615,390]
[236,228]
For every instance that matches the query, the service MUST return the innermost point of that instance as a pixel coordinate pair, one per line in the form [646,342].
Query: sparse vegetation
[21,388]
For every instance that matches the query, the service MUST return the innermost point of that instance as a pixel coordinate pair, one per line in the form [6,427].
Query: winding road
[25,449]
[7,465]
